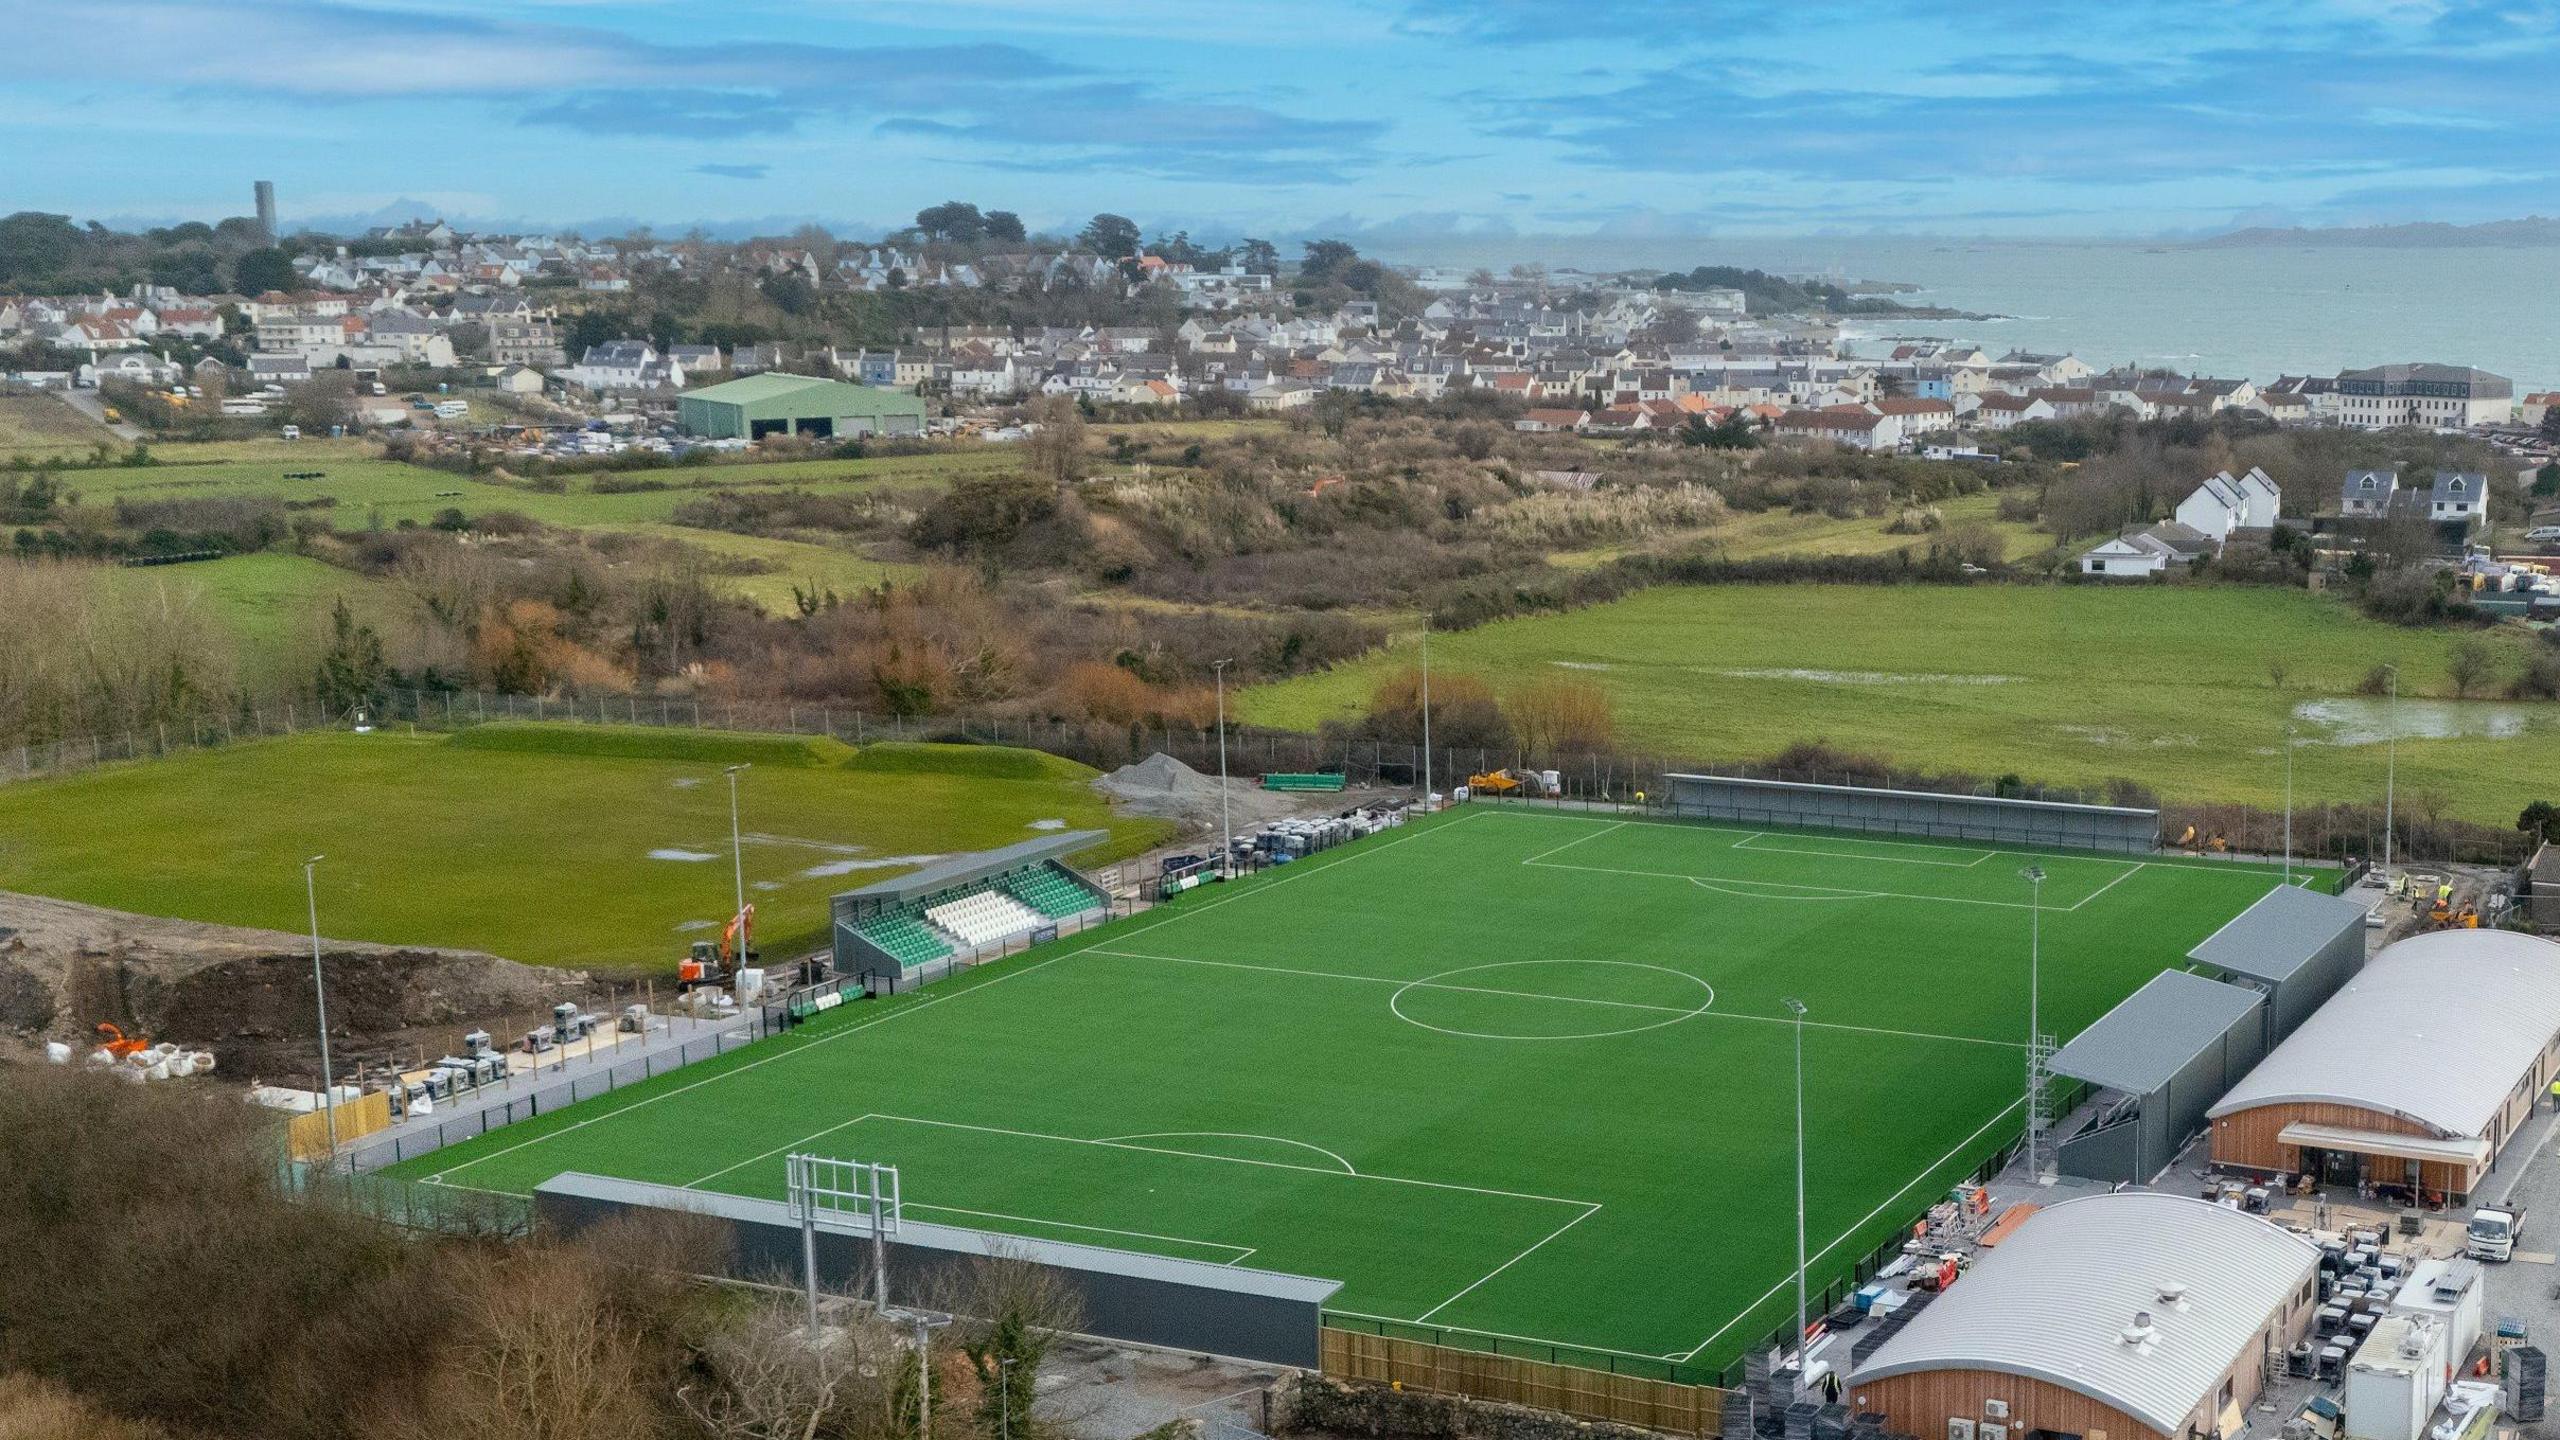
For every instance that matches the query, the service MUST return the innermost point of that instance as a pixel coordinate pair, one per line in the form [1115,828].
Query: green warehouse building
[773,404]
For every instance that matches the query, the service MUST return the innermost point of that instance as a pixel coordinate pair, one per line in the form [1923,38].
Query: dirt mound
[246,994]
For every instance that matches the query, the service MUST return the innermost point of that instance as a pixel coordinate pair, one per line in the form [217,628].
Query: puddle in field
[1863,677]
[1582,664]
[688,856]
[686,782]
[847,867]
[2362,721]
[1048,824]
[766,885]
[691,925]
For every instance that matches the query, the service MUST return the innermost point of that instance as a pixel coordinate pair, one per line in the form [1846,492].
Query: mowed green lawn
[1506,1072]
[556,845]
[2171,687]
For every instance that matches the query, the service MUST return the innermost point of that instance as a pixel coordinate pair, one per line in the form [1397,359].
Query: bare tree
[766,1380]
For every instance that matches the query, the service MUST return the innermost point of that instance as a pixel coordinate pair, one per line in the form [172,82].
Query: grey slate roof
[2279,934]
[2459,487]
[2372,486]
[2437,1029]
[2052,1303]
[2143,1043]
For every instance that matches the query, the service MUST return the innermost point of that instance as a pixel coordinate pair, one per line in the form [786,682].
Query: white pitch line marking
[936,998]
[1505,1265]
[1243,1251]
[2110,885]
[776,1150]
[1236,1160]
[1789,1277]
[1347,1167]
[1708,1014]
[1757,848]
[1577,840]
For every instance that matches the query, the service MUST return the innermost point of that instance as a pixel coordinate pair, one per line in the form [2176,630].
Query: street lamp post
[1426,715]
[737,847]
[1796,1008]
[2034,876]
[1226,822]
[320,998]
[2288,804]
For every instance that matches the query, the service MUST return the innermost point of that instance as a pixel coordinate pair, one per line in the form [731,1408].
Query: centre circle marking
[1395,1002]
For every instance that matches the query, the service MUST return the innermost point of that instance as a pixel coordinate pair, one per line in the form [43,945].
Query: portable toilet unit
[2395,1379]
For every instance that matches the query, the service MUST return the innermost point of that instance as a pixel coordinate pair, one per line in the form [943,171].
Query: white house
[2223,504]
[2146,551]
[2459,495]
[624,365]
[1998,410]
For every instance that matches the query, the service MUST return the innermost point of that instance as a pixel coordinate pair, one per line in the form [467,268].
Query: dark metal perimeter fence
[2332,831]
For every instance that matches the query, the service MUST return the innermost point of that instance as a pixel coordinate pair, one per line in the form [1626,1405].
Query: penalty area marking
[1395,1003]
[1304,870]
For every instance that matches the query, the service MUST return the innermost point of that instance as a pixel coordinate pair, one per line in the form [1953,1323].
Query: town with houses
[993,833]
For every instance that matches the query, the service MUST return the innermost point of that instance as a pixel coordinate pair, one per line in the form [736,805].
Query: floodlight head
[314,860]
[733,769]
[2033,874]
[1794,1006]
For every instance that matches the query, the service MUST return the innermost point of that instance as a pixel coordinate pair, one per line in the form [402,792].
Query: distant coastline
[2531,231]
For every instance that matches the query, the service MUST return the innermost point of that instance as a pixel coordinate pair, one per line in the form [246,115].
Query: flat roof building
[2296,946]
[2130,1316]
[2413,1076]
[776,404]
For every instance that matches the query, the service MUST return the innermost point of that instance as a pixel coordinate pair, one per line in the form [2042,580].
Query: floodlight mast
[1796,1008]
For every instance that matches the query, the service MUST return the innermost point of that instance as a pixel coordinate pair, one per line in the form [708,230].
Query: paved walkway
[562,1078]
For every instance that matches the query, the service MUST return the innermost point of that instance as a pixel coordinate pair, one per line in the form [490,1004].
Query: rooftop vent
[2173,1294]
[2140,1332]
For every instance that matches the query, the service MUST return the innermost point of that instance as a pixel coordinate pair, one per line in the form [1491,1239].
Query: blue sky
[1397,118]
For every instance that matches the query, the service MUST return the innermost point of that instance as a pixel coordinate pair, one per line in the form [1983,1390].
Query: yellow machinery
[1496,783]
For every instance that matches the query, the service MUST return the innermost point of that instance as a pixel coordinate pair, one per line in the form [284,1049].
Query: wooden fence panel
[1585,1394]
[308,1134]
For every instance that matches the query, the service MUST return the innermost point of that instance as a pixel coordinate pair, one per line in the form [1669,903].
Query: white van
[2543,533]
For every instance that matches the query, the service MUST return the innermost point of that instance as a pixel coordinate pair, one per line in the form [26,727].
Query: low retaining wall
[1144,1299]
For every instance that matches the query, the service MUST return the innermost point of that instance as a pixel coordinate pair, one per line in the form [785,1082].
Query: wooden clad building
[2414,1076]
[2126,1316]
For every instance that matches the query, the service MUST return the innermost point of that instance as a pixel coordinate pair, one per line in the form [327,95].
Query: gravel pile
[1162,785]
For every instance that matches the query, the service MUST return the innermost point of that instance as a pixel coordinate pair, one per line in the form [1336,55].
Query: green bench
[1302,782]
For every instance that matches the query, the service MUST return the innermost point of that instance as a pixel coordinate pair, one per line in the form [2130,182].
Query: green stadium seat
[1051,892]
[907,940]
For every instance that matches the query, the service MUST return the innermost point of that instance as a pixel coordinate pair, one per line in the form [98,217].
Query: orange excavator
[710,965]
[116,1044]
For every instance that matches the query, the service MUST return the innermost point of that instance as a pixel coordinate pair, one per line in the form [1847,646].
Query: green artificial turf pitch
[1522,1075]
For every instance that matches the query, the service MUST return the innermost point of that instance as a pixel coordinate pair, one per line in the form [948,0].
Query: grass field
[41,427]
[562,845]
[2171,687]
[1509,1072]
[1770,533]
